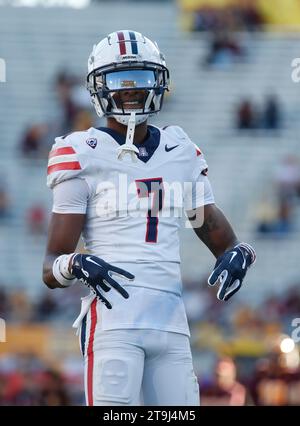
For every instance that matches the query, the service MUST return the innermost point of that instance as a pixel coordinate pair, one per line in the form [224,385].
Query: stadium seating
[202,102]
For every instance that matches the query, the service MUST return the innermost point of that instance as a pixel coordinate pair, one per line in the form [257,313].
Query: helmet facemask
[110,88]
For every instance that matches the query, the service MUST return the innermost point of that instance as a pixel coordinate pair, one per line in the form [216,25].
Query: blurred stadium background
[233,92]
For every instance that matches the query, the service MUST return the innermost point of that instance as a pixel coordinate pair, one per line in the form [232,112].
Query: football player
[110,184]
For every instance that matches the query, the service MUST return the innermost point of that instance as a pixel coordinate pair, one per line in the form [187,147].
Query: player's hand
[230,270]
[98,276]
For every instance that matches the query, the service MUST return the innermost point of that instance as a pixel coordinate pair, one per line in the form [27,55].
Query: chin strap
[128,147]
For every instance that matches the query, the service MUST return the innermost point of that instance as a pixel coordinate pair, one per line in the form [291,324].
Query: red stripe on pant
[90,353]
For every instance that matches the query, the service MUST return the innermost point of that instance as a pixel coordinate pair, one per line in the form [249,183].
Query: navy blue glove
[97,275]
[230,270]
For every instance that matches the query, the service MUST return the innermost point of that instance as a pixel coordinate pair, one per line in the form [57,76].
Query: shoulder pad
[195,151]
[65,160]
[176,131]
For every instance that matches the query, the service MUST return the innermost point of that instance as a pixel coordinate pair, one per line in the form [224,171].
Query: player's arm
[216,232]
[233,257]
[62,266]
[63,235]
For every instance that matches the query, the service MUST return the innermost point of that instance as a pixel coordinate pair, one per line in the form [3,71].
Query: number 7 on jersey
[144,188]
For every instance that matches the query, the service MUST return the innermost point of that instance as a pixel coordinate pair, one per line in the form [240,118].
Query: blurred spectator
[251,17]
[26,391]
[241,16]
[63,87]
[271,114]
[20,307]
[224,50]
[277,377]
[290,305]
[278,217]
[205,19]
[74,114]
[83,120]
[3,384]
[266,216]
[74,100]
[33,142]
[4,303]
[287,180]
[224,389]
[33,383]
[4,200]
[246,115]
[249,115]
[45,307]
[36,219]
[53,391]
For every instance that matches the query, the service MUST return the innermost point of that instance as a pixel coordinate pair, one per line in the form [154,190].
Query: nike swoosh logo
[168,149]
[92,261]
[244,263]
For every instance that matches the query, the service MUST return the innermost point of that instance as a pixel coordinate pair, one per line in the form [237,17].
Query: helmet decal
[125,44]
[134,46]
[122,43]
[127,61]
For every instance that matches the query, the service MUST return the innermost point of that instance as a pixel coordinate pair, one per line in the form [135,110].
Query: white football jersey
[134,211]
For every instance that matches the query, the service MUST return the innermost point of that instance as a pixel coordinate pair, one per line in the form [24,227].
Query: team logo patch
[143,152]
[92,142]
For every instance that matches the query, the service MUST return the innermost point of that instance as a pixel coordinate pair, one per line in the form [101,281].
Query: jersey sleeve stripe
[62,151]
[70,158]
[71,165]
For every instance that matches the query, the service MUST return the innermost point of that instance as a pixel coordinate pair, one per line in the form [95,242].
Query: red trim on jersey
[90,353]
[68,165]
[122,43]
[62,151]
[198,152]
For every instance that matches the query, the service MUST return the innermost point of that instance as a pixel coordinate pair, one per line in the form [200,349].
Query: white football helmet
[125,61]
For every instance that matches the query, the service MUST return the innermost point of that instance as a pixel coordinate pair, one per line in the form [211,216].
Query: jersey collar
[146,149]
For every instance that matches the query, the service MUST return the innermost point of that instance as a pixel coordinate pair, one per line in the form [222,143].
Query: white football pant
[137,367]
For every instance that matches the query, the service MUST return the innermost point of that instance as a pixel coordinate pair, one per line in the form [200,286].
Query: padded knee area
[117,380]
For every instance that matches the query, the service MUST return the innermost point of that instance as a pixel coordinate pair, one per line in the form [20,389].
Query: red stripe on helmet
[122,43]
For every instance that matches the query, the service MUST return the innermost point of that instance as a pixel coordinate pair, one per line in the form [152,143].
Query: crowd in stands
[275,381]
[224,50]
[236,316]
[238,378]
[28,380]
[276,214]
[239,17]
[19,308]
[250,116]
[251,367]
[74,114]
[4,199]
